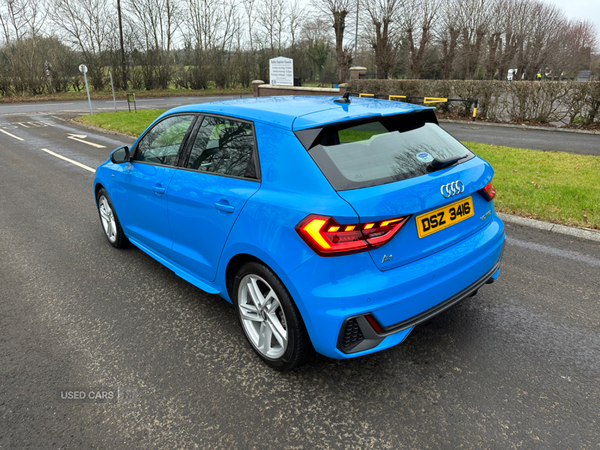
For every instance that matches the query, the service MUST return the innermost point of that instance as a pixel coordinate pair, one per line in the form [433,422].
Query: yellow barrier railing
[428,100]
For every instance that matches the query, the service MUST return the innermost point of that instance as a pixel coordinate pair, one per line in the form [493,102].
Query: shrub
[520,101]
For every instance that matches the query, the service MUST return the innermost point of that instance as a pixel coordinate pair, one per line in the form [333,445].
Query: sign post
[112,86]
[281,71]
[47,68]
[83,70]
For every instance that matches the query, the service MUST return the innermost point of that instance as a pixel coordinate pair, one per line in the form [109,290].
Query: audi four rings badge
[452,189]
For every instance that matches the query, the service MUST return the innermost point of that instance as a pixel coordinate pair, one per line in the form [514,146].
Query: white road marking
[11,135]
[22,124]
[83,166]
[81,137]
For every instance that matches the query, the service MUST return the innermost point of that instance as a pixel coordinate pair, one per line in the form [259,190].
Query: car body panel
[141,194]
[307,111]
[414,197]
[351,285]
[202,210]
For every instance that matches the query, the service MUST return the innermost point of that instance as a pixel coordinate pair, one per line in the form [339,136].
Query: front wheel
[110,221]
[269,318]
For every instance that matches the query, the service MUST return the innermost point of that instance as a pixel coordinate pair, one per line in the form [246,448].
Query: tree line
[150,44]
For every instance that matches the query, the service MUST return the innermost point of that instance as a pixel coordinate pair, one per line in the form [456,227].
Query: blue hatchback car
[333,224]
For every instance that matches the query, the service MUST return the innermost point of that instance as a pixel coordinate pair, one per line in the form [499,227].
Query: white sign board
[282,71]
[82,68]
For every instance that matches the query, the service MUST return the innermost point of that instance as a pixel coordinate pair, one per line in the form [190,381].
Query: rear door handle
[158,189]
[225,207]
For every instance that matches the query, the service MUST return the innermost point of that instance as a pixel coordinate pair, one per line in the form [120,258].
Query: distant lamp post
[356,35]
[123,65]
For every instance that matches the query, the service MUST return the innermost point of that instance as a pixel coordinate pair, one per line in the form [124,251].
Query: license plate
[444,217]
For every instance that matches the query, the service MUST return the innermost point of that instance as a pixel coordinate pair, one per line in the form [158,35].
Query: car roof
[301,112]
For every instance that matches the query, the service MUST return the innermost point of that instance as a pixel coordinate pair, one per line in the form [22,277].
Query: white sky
[582,10]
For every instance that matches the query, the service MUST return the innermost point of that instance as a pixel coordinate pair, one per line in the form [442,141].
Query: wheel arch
[97,187]
[233,267]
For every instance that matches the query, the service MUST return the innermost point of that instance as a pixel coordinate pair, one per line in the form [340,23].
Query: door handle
[158,189]
[225,207]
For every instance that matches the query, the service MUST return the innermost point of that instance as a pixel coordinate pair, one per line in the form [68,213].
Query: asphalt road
[559,141]
[517,366]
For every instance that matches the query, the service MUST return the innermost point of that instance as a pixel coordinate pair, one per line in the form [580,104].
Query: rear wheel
[110,221]
[269,318]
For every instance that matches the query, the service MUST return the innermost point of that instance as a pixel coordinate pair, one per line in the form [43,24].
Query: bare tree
[514,20]
[545,27]
[419,18]
[384,31]
[448,34]
[273,22]
[337,11]
[157,22]
[87,25]
[474,19]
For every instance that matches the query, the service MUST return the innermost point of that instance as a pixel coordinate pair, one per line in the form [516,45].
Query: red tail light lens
[328,238]
[488,192]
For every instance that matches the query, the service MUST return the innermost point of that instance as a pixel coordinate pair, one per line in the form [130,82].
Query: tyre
[110,221]
[270,320]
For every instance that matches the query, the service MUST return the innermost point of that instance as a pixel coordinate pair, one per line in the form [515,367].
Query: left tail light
[328,238]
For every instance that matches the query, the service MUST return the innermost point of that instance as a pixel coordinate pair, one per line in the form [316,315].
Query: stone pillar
[344,87]
[356,71]
[255,85]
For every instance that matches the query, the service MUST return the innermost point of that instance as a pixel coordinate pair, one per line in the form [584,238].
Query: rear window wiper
[438,164]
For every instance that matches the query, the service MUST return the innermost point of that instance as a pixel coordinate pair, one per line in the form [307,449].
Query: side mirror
[120,155]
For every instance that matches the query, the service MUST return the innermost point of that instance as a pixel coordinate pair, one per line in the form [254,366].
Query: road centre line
[11,135]
[83,166]
[81,137]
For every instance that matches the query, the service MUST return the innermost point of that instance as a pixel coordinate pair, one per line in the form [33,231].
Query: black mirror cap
[120,155]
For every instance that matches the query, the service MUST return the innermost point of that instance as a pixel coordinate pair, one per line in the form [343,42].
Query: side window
[224,146]
[161,144]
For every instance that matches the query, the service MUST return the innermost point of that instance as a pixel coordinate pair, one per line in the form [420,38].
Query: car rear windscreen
[375,152]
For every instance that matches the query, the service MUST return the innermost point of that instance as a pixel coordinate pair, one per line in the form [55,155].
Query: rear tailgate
[455,218]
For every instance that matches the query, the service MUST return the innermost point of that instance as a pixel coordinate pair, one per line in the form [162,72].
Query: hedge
[573,103]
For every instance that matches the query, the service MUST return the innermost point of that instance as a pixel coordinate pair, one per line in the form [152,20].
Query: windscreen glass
[384,151]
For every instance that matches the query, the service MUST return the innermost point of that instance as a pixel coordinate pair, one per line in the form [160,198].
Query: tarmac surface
[516,366]
[522,137]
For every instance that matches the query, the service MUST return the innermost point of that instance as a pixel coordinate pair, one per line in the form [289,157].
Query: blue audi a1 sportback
[333,224]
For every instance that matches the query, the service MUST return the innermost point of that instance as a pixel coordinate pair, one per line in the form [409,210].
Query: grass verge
[123,121]
[551,186]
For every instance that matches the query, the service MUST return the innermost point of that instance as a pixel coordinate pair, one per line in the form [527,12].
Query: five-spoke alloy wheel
[110,221]
[269,318]
[262,316]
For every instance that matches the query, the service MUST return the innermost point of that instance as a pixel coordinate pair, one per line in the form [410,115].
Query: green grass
[552,186]
[123,121]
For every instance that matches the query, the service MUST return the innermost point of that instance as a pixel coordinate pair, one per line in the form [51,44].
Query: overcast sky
[582,10]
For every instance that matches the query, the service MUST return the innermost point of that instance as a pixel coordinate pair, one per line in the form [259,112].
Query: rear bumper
[330,292]
[348,342]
